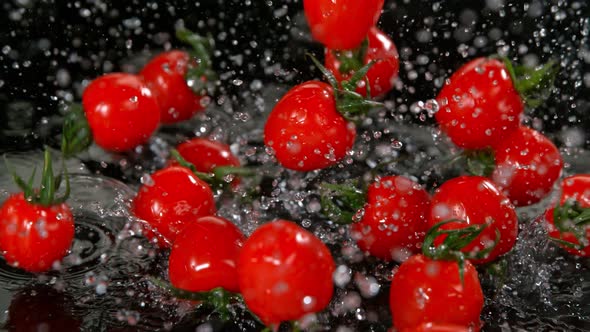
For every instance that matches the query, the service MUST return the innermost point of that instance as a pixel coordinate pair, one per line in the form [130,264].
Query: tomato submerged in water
[34,237]
[165,76]
[305,129]
[121,111]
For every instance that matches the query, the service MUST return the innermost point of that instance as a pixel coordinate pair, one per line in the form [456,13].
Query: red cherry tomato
[479,105]
[394,220]
[437,327]
[575,188]
[476,200]
[205,254]
[429,291]
[206,154]
[306,131]
[341,24]
[121,111]
[170,200]
[285,272]
[165,76]
[33,237]
[527,166]
[382,74]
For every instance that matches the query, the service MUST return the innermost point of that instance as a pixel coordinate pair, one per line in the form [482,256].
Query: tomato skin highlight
[204,256]
[395,218]
[165,76]
[285,272]
[121,111]
[174,198]
[577,188]
[382,74]
[341,24]
[476,200]
[480,105]
[526,178]
[33,236]
[306,131]
[425,290]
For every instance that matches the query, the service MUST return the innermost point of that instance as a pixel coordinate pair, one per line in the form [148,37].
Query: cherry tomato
[121,111]
[436,327]
[527,166]
[430,291]
[285,272]
[341,24]
[204,256]
[575,188]
[306,131]
[165,76]
[33,237]
[171,199]
[382,74]
[479,105]
[394,220]
[476,200]
[206,154]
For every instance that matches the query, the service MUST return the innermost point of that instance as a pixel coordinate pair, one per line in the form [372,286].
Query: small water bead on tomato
[171,199]
[285,273]
[479,105]
[527,166]
[341,24]
[204,256]
[394,220]
[121,110]
[165,76]
[475,200]
[575,199]
[381,75]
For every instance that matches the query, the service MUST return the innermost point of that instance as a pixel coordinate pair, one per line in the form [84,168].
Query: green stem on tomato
[199,76]
[341,202]
[76,135]
[533,84]
[571,217]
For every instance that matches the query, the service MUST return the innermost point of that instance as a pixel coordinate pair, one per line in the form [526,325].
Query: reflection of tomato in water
[41,308]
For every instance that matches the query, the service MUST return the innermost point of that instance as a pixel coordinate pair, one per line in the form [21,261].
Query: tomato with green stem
[341,24]
[285,272]
[204,255]
[475,200]
[207,155]
[121,111]
[171,199]
[568,220]
[378,47]
[36,225]
[484,100]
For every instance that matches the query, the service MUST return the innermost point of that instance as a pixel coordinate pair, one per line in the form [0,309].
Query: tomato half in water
[121,111]
[285,272]
[341,24]
[527,166]
[171,199]
[394,220]
[475,200]
[204,256]
[165,76]
[305,129]
[479,105]
[381,75]
[34,237]
[574,190]
[430,291]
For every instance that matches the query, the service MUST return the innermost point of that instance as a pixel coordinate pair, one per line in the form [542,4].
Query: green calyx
[76,135]
[341,202]
[571,217]
[352,60]
[479,162]
[46,195]
[218,298]
[200,76]
[220,174]
[533,84]
[348,102]
[454,242]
